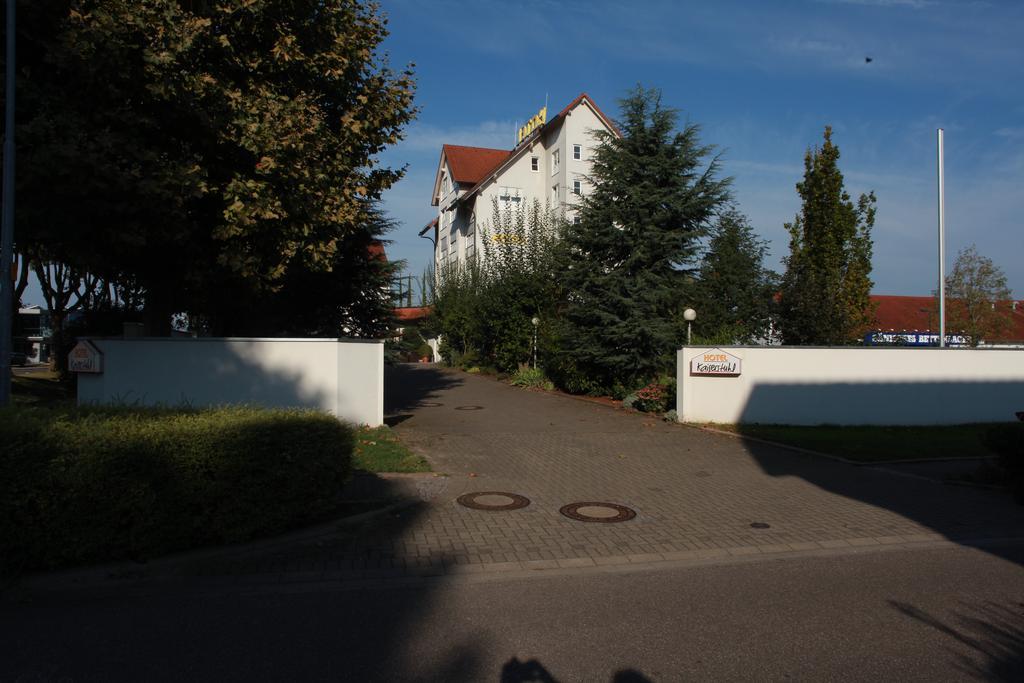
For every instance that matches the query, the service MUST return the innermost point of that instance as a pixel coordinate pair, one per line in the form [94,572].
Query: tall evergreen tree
[825,290]
[655,192]
[735,289]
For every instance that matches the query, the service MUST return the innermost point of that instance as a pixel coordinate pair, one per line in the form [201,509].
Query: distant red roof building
[920,314]
[412,313]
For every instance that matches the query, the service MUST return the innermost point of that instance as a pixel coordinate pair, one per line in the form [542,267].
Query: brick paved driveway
[696,493]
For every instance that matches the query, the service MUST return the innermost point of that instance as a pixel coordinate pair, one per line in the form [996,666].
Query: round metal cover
[430,404]
[598,512]
[469,407]
[492,500]
[760,525]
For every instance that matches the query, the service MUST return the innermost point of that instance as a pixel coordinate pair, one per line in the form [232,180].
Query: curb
[342,580]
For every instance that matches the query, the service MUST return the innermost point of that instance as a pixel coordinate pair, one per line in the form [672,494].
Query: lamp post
[689,315]
[535,321]
[7,228]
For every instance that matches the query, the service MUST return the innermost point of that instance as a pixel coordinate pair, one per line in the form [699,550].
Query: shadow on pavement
[302,608]
[961,514]
[994,633]
[532,671]
[411,385]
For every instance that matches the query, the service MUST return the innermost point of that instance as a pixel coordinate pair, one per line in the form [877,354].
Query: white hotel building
[549,163]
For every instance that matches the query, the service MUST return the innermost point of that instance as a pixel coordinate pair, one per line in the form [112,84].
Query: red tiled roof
[905,313]
[919,314]
[413,312]
[471,164]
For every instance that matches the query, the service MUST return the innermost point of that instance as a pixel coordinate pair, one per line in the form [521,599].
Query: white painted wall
[343,377]
[895,386]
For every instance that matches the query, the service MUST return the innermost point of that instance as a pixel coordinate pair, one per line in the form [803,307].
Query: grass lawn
[41,389]
[875,443]
[379,450]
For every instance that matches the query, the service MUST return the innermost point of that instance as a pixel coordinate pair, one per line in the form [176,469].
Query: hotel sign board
[533,124]
[85,357]
[716,363]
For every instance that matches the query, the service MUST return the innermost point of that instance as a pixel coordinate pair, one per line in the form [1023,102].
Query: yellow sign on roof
[538,120]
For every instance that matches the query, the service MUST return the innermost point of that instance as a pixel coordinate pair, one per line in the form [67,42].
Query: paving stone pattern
[696,494]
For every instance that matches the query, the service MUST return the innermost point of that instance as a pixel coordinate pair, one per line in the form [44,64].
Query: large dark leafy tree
[655,193]
[351,298]
[826,288]
[735,290]
[204,149]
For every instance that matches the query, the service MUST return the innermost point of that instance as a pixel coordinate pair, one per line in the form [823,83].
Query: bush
[106,484]
[651,399]
[531,378]
[1007,441]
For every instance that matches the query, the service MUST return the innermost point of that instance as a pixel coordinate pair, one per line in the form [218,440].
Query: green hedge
[111,484]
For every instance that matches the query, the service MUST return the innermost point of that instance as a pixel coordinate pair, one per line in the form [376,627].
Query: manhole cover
[430,404]
[493,500]
[469,407]
[760,525]
[598,512]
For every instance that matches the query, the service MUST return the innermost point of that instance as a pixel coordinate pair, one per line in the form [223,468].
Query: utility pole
[7,227]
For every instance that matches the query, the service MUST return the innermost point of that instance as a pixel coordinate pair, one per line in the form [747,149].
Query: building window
[576,220]
[577,187]
[509,197]
[444,246]
[554,196]
[577,151]
[534,163]
[554,162]
[470,250]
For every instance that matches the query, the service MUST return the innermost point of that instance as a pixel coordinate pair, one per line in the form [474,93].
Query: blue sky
[762,78]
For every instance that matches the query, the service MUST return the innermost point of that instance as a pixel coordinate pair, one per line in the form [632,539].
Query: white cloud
[425,137]
[1013,133]
[912,4]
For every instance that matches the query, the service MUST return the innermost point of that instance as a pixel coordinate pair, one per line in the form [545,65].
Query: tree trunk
[157,313]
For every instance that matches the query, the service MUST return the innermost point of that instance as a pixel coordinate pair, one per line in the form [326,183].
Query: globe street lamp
[689,315]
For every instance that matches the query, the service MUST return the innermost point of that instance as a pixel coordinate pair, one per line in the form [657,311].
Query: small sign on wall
[85,357]
[716,363]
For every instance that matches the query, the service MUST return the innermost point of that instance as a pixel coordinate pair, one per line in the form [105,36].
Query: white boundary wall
[343,377]
[894,386]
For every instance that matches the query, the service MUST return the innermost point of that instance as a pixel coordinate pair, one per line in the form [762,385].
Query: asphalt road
[936,614]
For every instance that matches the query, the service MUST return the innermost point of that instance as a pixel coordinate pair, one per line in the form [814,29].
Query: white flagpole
[942,243]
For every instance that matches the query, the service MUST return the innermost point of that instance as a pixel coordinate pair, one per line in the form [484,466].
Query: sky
[762,79]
